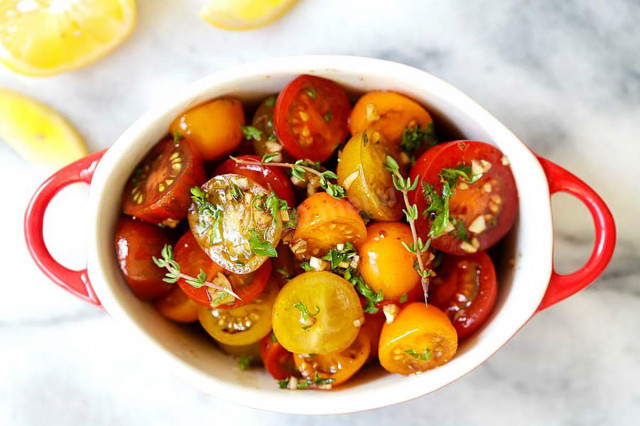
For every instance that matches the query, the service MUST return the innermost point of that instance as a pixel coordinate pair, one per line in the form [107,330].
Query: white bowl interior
[190,354]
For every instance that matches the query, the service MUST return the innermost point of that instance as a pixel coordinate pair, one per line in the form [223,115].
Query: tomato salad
[321,237]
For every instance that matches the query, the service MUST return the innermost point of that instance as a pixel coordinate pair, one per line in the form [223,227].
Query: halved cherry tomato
[487,207]
[276,359]
[251,351]
[268,142]
[232,222]
[158,189]
[285,266]
[192,259]
[178,307]
[310,117]
[136,243]
[465,289]
[323,222]
[361,172]
[388,112]
[268,177]
[339,366]
[317,312]
[385,264]
[372,328]
[214,128]
[420,338]
[244,325]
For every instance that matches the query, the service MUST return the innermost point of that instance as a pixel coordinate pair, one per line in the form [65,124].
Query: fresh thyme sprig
[173,272]
[411,212]
[299,169]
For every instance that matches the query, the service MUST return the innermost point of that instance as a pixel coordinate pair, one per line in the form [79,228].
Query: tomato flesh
[136,244]
[192,259]
[491,200]
[268,177]
[465,289]
[158,189]
[178,307]
[310,117]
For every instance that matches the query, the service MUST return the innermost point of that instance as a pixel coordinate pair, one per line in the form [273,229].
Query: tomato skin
[192,259]
[276,359]
[178,307]
[339,366]
[372,328]
[396,112]
[268,177]
[214,127]
[361,172]
[419,328]
[473,276]
[385,264]
[310,135]
[169,205]
[324,221]
[136,243]
[468,204]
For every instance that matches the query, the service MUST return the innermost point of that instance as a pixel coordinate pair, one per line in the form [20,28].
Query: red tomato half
[310,117]
[192,259]
[492,200]
[136,243]
[465,289]
[158,189]
[276,359]
[269,177]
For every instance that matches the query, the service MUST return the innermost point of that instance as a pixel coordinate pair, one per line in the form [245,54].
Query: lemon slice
[38,133]
[244,14]
[46,37]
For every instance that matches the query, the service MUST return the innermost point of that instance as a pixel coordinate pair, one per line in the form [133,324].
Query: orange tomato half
[420,338]
[178,307]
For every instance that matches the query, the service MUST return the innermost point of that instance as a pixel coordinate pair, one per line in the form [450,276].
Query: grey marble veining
[565,76]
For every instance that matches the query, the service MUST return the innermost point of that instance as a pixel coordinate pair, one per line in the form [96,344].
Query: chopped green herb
[209,215]
[422,356]
[307,318]
[177,137]
[311,92]
[261,247]
[416,140]
[366,217]
[461,231]
[267,158]
[237,194]
[371,297]
[270,101]
[251,132]
[273,338]
[404,298]
[244,362]
[327,116]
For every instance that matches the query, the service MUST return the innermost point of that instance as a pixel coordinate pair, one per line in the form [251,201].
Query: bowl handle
[75,282]
[562,286]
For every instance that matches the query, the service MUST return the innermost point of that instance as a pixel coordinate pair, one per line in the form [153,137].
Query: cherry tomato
[339,366]
[268,142]
[420,338]
[251,351]
[372,328]
[214,128]
[310,117]
[241,326]
[317,312]
[465,289]
[388,112]
[233,224]
[276,359]
[323,222]
[361,172]
[285,266]
[136,244]
[192,260]
[268,177]
[385,264]
[178,307]
[158,189]
[487,207]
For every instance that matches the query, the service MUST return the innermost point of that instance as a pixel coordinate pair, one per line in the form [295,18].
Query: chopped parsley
[311,92]
[327,116]
[244,362]
[422,356]
[251,132]
[237,194]
[307,383]
[366,217]
[461,231]
[416,140]
[210,215]
[404,298]
[261,247]
[306,317]
[270,101]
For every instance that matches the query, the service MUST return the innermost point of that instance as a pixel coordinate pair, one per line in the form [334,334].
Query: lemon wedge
[244,14]
[38,133]
[46,37]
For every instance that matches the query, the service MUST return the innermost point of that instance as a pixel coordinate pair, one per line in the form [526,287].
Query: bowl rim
[338,401]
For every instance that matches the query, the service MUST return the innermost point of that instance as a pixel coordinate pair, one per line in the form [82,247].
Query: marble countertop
[565,76]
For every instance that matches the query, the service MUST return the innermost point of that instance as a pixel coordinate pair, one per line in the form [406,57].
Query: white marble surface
[565,76]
